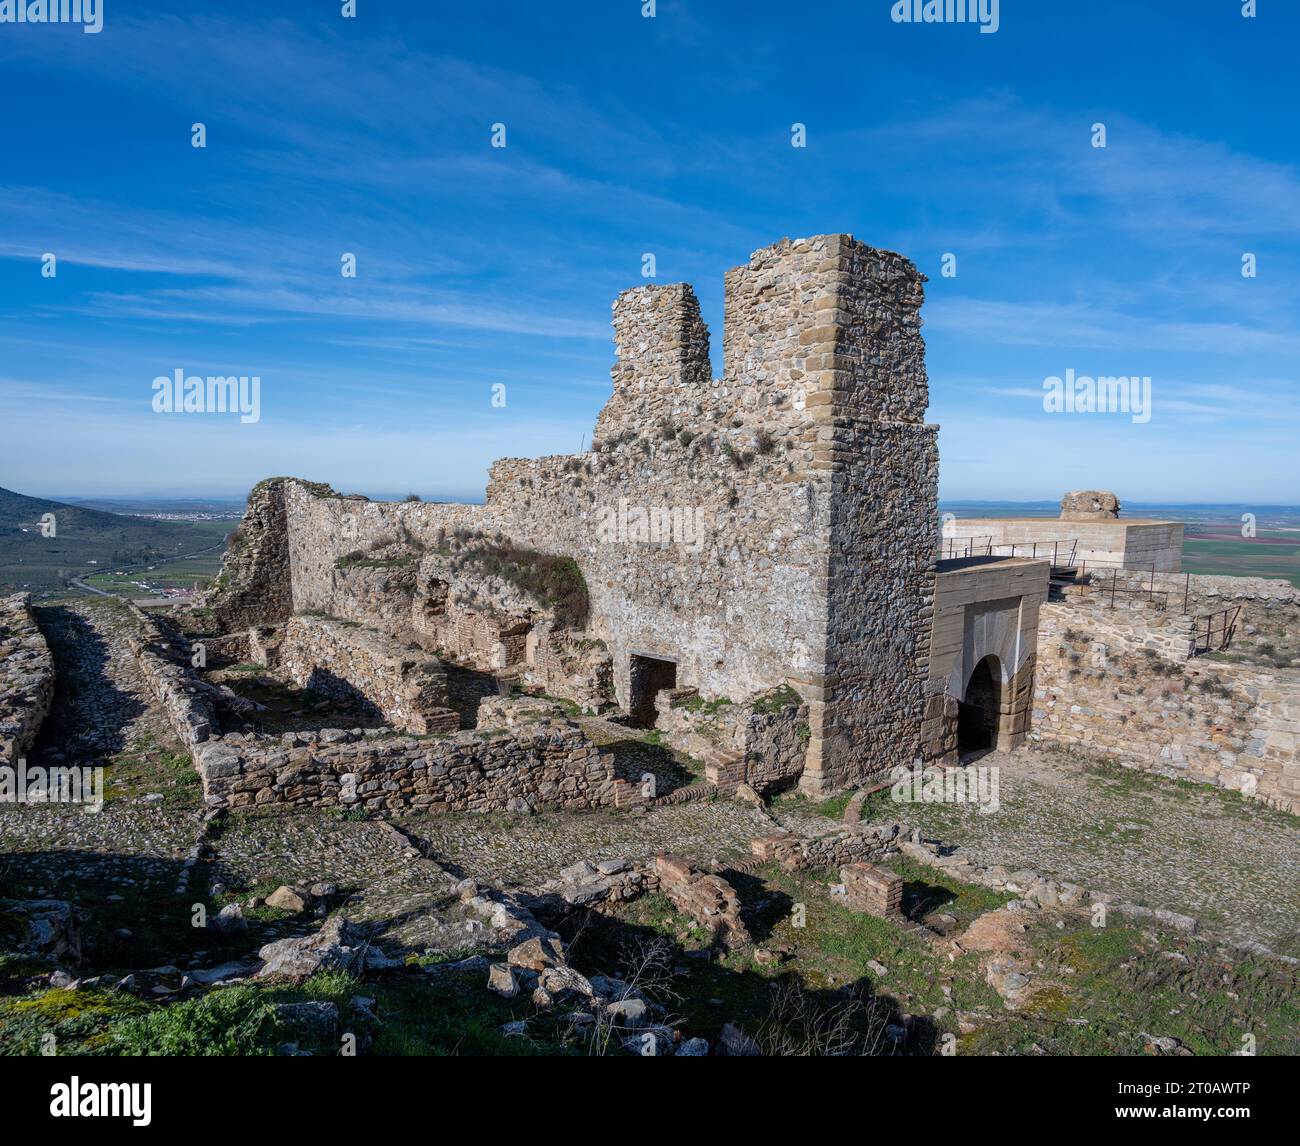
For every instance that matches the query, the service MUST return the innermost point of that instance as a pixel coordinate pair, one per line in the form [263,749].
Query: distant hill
[85,541]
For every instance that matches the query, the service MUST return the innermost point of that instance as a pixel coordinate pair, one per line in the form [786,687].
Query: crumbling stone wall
[546,763]
[26,678]
[339,659]
[172,681]
[760,742]
[707,898]
[834,849]
[662,370]
[1115,682]
[805,475]
[532,759]
[255,584]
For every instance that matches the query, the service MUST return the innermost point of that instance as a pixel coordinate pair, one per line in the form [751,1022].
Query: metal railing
[1213,632]
[1110,590]
[1060,552]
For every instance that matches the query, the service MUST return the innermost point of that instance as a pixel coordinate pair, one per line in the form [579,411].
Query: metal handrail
[1149,592]
[1228,627]
[987,547]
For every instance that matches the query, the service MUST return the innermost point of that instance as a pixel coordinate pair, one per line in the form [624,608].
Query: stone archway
[980,709]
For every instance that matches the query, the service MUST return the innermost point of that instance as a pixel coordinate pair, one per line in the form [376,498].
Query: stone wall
[531,760]
[761,742]
[546,763]
[834,849]
[341,659]
[1120,682]
[26,678]
[254,585]
[805,474]
[170,678]
[662,370]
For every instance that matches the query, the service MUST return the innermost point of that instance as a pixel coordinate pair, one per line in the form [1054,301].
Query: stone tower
[835,325]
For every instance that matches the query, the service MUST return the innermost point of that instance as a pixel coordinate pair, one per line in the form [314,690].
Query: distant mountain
[83,541]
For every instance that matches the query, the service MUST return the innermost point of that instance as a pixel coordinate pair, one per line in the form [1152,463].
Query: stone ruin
[26,678]
[748,564]
[1089,505]
[771,529]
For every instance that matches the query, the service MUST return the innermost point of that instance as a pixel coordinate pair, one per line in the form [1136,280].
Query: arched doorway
[977,716]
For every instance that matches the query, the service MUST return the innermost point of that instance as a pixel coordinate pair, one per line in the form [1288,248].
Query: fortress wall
[805,473]
[1115,681]
[880,591]
[26,678]
[883,464]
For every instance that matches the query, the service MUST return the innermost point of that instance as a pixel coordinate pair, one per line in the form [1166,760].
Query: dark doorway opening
[977,716]
[648,677]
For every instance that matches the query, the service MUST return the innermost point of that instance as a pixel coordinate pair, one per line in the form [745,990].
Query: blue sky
[629,135]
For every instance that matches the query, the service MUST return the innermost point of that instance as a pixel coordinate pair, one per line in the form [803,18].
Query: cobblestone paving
[414,900]
[103,716]
[523,851]
[1200,851]
[101,703]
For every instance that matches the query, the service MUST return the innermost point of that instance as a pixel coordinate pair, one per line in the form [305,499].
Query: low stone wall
[535,760]
[1265,612]
[547,763]
[26,677]
[1107,681]
[172,682]
[836,849]
[336,658]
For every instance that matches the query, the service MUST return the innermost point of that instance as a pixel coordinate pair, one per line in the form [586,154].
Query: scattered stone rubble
[47,928]
[707,898]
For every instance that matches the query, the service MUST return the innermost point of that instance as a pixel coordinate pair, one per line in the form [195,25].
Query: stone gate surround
[984,607]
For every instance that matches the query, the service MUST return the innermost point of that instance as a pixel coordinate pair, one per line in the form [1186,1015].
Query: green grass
[777,700]
[698,704]
[1245,558]
[360,561]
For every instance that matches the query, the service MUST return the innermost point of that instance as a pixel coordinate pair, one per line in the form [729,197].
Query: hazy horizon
[478,265]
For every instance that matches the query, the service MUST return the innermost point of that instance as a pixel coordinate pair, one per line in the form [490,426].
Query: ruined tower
[835,325]
[806,471]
